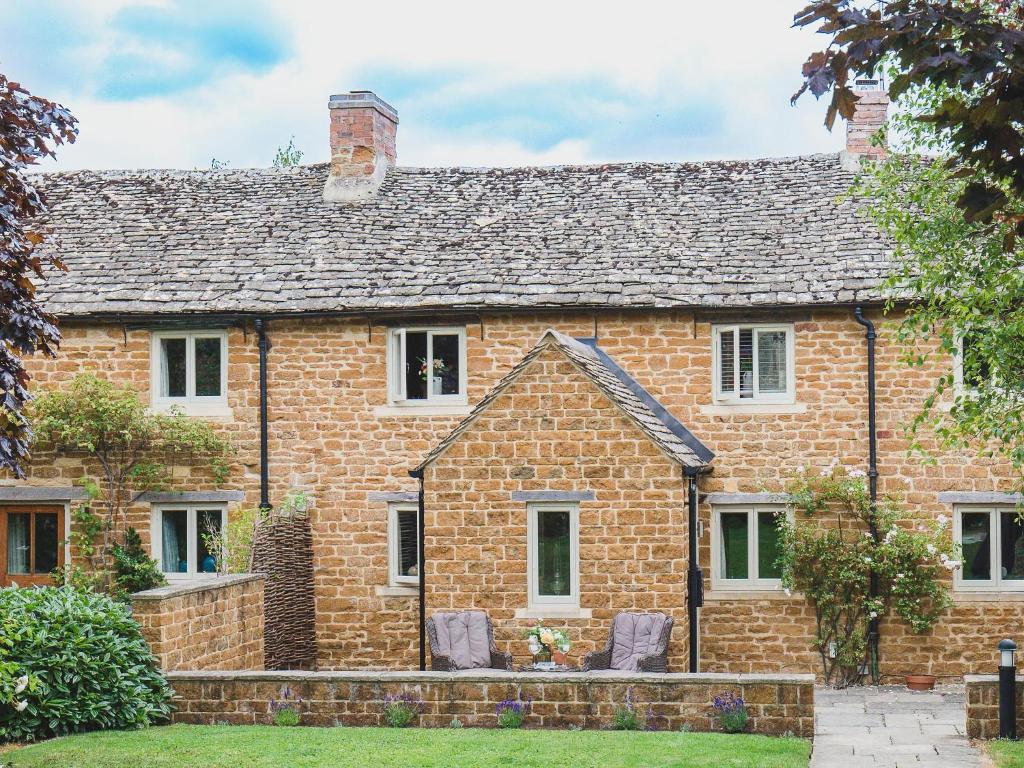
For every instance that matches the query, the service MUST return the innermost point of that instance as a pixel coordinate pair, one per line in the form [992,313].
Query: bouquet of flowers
[439,366]
[547,639]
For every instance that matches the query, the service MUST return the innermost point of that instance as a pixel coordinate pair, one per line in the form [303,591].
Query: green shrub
[401,710]
[625,717]
[134,569]
[92,668]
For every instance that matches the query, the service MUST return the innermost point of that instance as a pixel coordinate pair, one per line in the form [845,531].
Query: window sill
[215,412]
[554,612]
[733,409]
[987,596]
[418,411]
[409,591]
[733,595]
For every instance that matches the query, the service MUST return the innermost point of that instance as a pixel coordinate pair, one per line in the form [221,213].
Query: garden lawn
[1006,754]
[270,747]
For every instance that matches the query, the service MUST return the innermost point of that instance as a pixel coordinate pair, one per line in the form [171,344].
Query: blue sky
[167,83]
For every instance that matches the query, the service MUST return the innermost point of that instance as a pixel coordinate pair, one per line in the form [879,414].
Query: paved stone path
[891,727]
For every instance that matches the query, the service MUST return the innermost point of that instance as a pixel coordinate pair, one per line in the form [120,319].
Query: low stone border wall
[983,706]
[215,623]
[778,704]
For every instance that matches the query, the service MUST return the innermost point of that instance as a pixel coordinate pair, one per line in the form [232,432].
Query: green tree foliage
[134,569]
[828,554]
[289,156]
[92,666]
[136,450]
[30,129]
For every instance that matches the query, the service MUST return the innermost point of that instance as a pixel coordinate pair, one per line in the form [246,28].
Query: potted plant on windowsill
[435,377]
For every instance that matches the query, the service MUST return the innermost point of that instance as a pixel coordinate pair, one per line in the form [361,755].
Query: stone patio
[892,727]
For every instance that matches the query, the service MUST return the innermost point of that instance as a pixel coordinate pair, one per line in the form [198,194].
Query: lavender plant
[731,712]
[625,717]
[287,711]
[400,710]
[512,712]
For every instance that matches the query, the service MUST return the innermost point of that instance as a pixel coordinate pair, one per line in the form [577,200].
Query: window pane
[768,549]
[445,379]
[416,365]
[734,545]
[554,574]
[771,361]
[746,362]
[18,539]
[208,527]
[726,361]
[975,540]
[172,367]
[45,554]
[1011,540]
[208,383]
[407,543]
[174,531]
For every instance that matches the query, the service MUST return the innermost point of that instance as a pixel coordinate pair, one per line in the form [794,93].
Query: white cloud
[740,59]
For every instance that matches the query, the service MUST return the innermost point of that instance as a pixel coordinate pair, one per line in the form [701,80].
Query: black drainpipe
[264,460]
[694,575]
[870,335]
[418,473]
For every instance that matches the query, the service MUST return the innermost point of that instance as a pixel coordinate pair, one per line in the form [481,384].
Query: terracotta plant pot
[559,658]
[920,682]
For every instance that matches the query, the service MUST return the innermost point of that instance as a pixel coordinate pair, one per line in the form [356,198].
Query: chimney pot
[362,133]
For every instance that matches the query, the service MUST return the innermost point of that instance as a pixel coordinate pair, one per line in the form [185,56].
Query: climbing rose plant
[828,553]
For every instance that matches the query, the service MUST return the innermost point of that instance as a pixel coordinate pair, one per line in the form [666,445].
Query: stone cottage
[598,373]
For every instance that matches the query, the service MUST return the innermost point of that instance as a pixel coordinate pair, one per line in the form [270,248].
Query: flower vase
[435,385]
[542,659]
[559,658]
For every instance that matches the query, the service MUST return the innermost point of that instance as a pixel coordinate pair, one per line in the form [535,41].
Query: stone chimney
[871,111]
[363,128]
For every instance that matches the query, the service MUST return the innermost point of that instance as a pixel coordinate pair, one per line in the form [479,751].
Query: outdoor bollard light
[1007,689]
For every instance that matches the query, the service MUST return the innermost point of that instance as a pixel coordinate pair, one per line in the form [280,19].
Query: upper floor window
[403,544]
[184,539]
[189,368]
[753,364]
[427,366]
[973,368]
[992,542]
[552,555]
[745,547]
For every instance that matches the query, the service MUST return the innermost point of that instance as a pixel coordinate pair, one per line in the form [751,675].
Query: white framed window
[426,366]
[189,369]
[991,539]
[753,364]
[553,555]
[180,534]
[966,382]
[745,547]
[403,544]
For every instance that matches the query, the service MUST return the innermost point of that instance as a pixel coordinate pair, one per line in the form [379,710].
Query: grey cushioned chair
[637,642]
[464,640]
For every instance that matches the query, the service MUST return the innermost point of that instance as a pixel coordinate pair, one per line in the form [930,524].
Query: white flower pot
[435,385]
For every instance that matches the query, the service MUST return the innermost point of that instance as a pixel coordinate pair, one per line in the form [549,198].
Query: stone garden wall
[778,704]
[983,706]
[212,624]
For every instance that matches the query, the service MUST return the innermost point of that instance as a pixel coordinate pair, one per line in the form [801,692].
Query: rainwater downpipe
[694,575]
[420,542]
[871,335]
[261,333]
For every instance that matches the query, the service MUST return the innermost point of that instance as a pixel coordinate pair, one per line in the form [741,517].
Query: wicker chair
[441,662]
[655,661]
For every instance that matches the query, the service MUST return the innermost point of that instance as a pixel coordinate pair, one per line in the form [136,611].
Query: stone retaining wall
[215,624]
[778,704]
[983,706]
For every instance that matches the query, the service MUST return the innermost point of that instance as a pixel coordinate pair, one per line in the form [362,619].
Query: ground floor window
[403,544]
[33,544]
[992,541]
[745,547]
[553,555]
[184,539]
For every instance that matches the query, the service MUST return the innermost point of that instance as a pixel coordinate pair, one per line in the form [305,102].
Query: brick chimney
[870,114]
[363,128]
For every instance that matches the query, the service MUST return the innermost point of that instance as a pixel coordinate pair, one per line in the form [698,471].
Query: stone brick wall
[215,624]
[778,704]
[983,706]
[332,435]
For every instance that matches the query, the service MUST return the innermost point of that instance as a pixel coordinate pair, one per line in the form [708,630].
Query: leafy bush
[625,717]
[92,668]
[288,711]
[134,570]
[512,712]
[401,710]
[731,712]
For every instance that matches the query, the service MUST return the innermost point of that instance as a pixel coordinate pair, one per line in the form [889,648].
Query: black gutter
[694,575]
[264,458]
[420,545]
[871,336]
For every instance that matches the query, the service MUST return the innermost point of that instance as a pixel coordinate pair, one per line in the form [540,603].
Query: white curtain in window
[17,543]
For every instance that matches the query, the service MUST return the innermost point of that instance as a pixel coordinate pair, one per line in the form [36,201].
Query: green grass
[1006,754]
[268,747]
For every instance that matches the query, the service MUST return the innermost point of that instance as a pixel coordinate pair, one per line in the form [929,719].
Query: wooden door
[31,544]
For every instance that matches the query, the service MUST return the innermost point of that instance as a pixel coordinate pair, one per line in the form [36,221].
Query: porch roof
[667,432]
